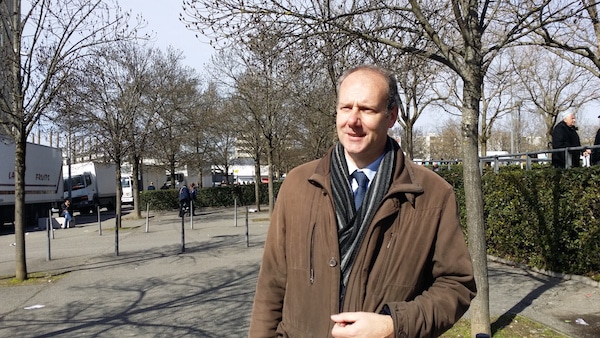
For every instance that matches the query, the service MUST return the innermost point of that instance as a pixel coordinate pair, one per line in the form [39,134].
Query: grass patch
[507,326]
[35,278]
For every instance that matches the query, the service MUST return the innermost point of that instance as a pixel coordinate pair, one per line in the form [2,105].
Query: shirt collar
[369,170]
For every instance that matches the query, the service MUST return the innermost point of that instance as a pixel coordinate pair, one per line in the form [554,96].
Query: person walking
[184,200]
[564,135]
[363,242]
[67,214]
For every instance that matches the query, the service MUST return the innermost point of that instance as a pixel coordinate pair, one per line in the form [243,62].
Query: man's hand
[362,324]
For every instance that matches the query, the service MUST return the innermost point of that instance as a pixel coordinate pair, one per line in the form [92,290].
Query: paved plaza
[201,284]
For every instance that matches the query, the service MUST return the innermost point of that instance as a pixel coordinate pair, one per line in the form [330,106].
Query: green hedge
[222,196]
[544,218]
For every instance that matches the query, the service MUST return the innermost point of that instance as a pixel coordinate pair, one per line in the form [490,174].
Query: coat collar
[404,182]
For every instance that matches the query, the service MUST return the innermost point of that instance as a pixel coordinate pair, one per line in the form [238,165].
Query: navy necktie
[363,184]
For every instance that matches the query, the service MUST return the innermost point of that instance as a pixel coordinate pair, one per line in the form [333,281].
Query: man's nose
[354,117]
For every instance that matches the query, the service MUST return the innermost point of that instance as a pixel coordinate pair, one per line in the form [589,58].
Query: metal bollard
[182,232]
[191,214]
[99,220]
[147,217]
[247,239]
[48,230]
[117,223]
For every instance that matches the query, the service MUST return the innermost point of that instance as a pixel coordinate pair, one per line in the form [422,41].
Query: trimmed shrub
[222,196]
[544,218]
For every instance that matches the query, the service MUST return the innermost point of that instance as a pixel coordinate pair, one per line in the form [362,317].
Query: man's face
[570,120]
[362,119]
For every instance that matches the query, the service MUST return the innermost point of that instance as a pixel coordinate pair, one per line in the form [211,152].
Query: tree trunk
[257,181]
[409,134]
[270,178]
[20,258]
[480,311]
[135,187]
[20,142]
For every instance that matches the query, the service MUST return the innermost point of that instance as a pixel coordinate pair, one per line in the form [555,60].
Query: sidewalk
[153,289]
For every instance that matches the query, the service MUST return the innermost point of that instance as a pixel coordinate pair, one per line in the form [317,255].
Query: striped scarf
[353,224]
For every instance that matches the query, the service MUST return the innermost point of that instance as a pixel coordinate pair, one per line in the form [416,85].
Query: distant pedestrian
[67,214]
[184,200]
[564,135]
[151,186]
[164,186]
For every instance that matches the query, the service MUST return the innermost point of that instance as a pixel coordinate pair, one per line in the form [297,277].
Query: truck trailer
[43,181]
[91,185]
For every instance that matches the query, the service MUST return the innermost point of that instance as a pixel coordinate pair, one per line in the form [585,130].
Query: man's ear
[393,116]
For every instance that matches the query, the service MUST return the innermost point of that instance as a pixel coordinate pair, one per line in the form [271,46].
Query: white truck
[127,186]
[91,185]
[43,181]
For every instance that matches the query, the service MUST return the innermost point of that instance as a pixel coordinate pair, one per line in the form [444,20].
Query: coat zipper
[311,258]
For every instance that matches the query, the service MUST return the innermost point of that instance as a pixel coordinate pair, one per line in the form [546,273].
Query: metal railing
[527,159]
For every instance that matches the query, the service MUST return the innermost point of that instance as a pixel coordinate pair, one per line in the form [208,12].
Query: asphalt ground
[201,284]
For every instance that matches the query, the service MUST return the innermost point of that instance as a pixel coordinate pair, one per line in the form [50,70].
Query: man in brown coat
[363,243]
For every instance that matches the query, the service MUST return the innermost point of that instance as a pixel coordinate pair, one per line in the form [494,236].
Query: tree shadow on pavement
[543,284]
[156,293]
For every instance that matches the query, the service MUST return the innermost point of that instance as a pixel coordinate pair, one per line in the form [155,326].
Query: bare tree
[43,47]
[314,100]
[574,34]
[260,79]
[446,144]
[175,101]
[222,135]
[463,35]
[137,83]
[551,84]
[199,138]
[417,82]
[111,86]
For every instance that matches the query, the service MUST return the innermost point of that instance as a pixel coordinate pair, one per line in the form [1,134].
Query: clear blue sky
[162,18]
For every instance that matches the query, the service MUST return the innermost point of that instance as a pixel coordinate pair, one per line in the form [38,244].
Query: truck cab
[92,185]
[83,192]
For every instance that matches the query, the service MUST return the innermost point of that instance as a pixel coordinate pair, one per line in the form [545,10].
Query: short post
[48,230]
[247,239]
[235,212]
[99,220]
[51,225]
[191,214]
[182,230]
[147,217]
[117,223]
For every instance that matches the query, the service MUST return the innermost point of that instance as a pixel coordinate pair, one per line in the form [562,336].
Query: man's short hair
[393,96]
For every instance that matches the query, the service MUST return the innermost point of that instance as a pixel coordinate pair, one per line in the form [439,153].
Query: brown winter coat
[413,259]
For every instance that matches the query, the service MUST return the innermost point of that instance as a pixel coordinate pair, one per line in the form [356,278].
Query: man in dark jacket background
[595,160]
[564,135]
[184,200]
